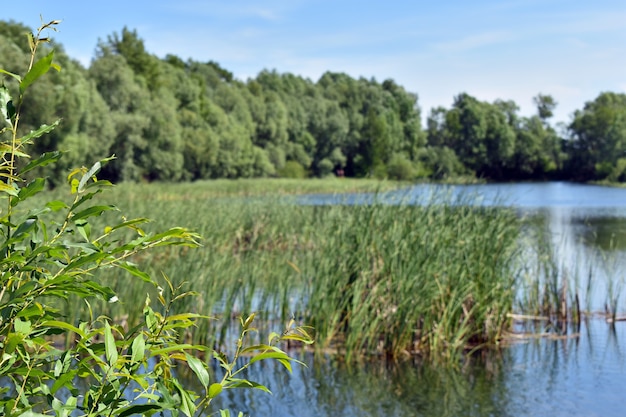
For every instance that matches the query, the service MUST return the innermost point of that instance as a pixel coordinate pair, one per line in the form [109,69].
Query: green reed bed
[371,279]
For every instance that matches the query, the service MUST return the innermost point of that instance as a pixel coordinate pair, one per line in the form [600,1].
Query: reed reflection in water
[576,376]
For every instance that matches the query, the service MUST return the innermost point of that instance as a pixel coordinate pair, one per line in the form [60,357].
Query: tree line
[168,119]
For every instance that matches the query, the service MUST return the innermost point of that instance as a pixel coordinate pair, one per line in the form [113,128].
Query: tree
[481,135]
[598,137]
[545,106]
[129,45]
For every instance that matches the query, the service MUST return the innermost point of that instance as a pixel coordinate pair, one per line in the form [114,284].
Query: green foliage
[397,280]
[174,120]
[52,254]
[400,168]
[599,137]
[293,169]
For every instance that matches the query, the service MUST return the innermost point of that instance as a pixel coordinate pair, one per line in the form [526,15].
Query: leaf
[34,187]
[24,228]
[39,68]
[84,228]
[151,321]
[95,168]
[32,414]
[138,349]
[245,383]
[92,211]
[83,260]
[131,224]
[43,129]
[136,271]
[282,357]
[187,406]
[63,325]
[138,409]
[34,310]
[198,368]
[101,291]
[9,189]
[45,159]
[109,344]
[215,390]
[5,99]
[17,77]
[65,380]
[23,327]
[6,148]
[56,205]
[174,348]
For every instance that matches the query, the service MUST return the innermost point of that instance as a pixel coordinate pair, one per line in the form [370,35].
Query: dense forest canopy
[169,119]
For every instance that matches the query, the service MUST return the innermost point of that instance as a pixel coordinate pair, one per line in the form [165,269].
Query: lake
[574,376]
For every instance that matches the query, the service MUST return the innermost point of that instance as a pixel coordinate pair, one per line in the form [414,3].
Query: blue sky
[508,49]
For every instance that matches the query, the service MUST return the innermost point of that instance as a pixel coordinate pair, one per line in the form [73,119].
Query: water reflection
[581,376]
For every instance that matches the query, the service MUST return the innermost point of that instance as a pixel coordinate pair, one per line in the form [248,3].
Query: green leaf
[215,390]
[109,344]
[139,409]
[175,348]
[8,189]
[282,357]
[35,310]
[6,148]
[84,228]
[33,414]
[84,260]
[34,187]
[45,159]
[23,229]
[65,380]
[43,129]
[63,325]
[23,327]
[198,368]
[151,321]
[187,406]
[101,291]
[135,271]
[245,383]
[130,224]
[56,205]
[92,211]
[39,68]
[17,77]
[138,349]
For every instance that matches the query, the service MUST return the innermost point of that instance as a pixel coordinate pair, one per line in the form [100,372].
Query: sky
[507,49]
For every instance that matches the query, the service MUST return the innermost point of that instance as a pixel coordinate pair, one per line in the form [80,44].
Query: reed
[386,279]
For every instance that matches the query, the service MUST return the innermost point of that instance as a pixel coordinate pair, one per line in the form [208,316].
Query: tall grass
[406,279]
[433,280]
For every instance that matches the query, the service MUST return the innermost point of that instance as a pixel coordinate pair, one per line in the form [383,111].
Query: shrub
[49,255]
[400,168]
[293,169]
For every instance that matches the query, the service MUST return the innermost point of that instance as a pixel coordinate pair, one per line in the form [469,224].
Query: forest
[167,119]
